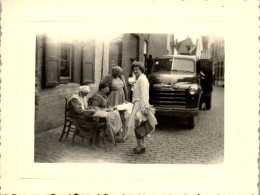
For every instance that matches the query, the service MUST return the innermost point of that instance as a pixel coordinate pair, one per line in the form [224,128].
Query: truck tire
[191,121]
[208,102]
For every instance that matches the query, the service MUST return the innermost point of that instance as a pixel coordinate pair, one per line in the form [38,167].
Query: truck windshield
[162,64]
[182,65]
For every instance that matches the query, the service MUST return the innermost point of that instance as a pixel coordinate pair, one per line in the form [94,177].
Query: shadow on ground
[171,123]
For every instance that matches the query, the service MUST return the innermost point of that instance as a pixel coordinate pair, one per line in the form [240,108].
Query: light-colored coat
[140,100]
[141,91]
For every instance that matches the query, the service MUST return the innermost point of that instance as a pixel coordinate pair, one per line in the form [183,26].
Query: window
[183,65]
[66,62]
[179,65]
[162,65]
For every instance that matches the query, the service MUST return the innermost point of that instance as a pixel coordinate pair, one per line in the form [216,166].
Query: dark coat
[83,118]
[98,100]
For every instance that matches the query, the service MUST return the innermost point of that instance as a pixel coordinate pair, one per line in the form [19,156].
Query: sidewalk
[171,143]
[49,149]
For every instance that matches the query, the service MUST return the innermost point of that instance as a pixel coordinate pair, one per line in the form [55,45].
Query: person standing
[140,102]
[149,65]
[118,90]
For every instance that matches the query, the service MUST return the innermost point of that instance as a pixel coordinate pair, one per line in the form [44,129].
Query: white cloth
[126,106]
[84,88]
[101,113]
[114,121]
[82,101]
[131,123]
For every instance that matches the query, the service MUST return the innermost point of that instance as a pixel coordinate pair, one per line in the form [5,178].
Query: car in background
[175,87]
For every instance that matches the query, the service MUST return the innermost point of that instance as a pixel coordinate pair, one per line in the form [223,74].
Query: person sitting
[82,115]
[100,100]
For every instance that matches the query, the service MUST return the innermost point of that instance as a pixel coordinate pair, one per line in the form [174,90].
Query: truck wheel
[191,121]
[208,102]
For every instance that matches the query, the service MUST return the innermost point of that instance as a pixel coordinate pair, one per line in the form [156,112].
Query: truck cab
[175,87]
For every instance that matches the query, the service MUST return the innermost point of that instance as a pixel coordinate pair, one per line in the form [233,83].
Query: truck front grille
[168,97]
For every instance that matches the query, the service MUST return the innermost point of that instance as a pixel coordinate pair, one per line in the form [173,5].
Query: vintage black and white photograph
[144,98]
[127,97]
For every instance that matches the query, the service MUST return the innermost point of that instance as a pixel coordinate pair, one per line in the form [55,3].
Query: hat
[84,88]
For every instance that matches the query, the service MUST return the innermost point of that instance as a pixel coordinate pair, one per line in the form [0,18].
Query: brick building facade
[218,58]
[63,64]
[213,48]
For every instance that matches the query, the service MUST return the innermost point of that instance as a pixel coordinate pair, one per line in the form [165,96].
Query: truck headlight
[193,90]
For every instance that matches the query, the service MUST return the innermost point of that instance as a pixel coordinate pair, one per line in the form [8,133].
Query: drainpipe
[102,65]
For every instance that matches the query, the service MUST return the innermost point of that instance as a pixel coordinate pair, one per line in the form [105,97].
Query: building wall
[157,45]
[212,48]
[130,52]
[199,48]
[106,57]
[50,101]
[205,50]
[182,49]
[218,55]
[170,44]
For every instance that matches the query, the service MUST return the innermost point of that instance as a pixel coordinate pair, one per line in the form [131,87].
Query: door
[115,54]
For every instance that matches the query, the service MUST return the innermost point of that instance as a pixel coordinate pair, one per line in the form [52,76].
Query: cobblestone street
[171,143]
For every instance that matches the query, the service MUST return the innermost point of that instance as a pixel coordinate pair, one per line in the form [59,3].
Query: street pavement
[170,143]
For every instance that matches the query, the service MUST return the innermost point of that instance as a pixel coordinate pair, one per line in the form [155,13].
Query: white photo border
[238,173]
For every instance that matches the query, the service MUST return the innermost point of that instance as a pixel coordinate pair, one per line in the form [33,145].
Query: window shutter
[52,62]
[88,63]
[77,63]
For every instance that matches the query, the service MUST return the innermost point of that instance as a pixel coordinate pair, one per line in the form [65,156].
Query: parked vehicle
[175,87]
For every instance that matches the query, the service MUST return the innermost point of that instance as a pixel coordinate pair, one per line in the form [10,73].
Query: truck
[177,87]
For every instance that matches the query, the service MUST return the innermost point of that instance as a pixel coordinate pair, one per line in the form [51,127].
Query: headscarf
[84,88]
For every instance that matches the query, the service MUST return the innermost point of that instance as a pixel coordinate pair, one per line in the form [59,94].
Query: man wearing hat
[78,110]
